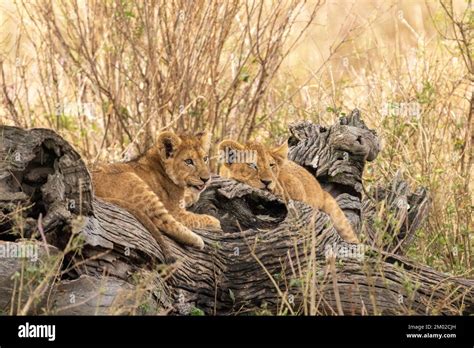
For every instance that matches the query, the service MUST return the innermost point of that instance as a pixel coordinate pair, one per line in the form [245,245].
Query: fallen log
[270,257]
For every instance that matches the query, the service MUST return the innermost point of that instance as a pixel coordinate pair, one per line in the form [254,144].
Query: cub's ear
[230,144]
[227,151]
[280,153]
[205,139]
[167,144]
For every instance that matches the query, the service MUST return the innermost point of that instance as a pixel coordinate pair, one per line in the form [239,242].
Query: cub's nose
[266,182]
[204,180]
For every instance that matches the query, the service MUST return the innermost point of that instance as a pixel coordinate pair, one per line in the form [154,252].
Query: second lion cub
[272,171]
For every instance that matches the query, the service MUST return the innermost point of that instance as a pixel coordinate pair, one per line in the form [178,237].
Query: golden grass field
[108,75]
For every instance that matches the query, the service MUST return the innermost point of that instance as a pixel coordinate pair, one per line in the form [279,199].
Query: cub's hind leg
[145,220]
[339,220]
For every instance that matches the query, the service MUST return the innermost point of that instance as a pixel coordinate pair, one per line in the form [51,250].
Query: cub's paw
[198,242]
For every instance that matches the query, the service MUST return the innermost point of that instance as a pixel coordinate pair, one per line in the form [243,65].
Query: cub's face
[185,159]
[253,164]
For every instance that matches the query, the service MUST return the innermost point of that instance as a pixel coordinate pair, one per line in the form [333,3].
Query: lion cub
[152,186]
[272,171]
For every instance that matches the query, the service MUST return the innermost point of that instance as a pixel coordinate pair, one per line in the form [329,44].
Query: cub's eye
[189,162]
[272,164]
[206,158]
[252,165]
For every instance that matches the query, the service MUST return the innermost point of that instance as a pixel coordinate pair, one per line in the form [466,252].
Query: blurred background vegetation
[109,75]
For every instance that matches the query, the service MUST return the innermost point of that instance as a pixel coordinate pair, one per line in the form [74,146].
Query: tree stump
[271,257]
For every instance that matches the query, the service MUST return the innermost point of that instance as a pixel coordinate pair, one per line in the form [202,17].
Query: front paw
[198,242]
[211,222]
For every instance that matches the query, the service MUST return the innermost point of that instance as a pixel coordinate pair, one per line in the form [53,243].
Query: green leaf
[296,282]
[197,312]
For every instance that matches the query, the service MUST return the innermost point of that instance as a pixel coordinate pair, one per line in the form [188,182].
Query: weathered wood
[269,256]
[394,213]
[336,156]
[40,167]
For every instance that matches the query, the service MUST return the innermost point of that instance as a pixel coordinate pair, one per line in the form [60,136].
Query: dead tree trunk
[269,258]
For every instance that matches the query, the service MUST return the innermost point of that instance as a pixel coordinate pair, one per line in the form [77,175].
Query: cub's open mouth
[198,187]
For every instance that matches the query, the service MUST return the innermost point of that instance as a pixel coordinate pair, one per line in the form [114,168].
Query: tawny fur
[152,187]
[190,197]
[275,173]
